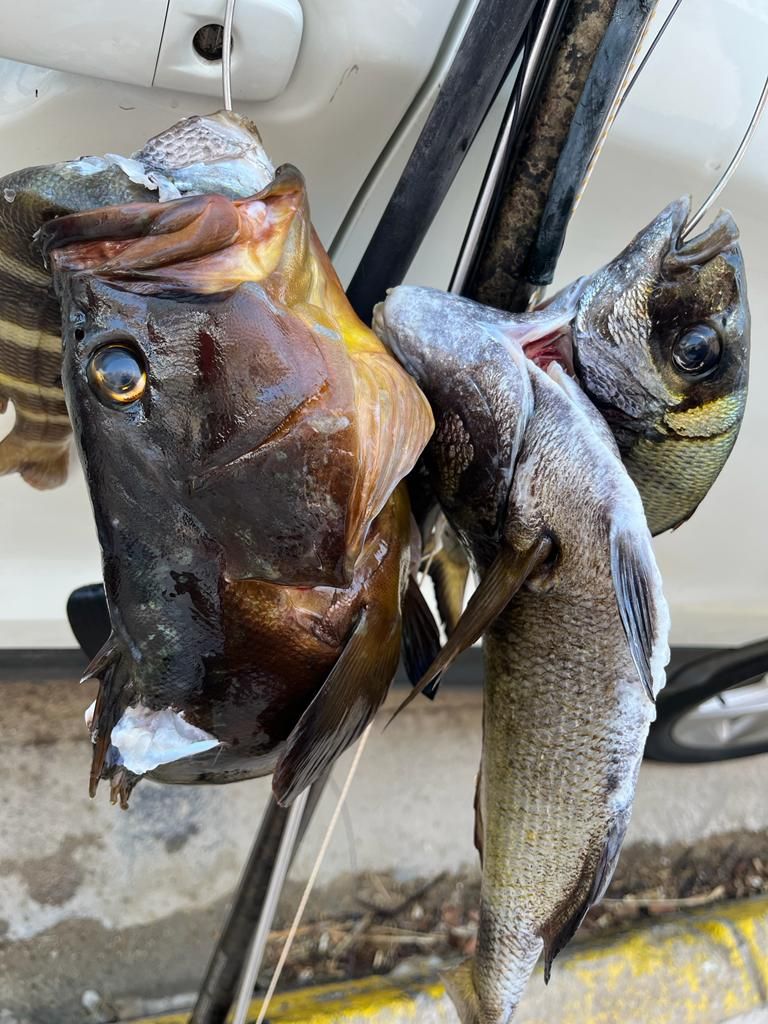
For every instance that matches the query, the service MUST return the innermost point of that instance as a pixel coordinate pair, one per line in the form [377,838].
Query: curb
[704,967]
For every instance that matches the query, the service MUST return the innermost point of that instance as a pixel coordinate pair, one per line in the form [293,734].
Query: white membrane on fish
[146,739]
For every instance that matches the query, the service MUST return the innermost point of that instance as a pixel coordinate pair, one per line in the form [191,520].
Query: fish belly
[565,720]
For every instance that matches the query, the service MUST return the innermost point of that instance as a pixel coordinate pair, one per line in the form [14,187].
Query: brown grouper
[243,436]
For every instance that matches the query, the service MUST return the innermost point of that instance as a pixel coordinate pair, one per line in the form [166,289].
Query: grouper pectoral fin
[508,571]
[344,705]
[421,636]
[633,581]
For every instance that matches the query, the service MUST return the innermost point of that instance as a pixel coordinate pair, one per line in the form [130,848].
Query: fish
[575,629]
[244,439]
[221,153]
[659,341]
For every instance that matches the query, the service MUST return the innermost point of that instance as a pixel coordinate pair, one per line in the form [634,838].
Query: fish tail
[460,983]
[43,464]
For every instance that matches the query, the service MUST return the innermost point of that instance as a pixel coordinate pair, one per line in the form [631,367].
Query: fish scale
[575,629]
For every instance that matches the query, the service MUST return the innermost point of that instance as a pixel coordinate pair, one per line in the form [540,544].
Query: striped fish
[221,152]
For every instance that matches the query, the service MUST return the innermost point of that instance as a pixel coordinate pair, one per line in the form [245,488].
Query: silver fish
[659,341]
[529,476]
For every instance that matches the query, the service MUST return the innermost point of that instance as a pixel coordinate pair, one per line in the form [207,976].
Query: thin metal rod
[276,883]
[490,184]
[649,53]
[735,161]
[310,882]
[226,54]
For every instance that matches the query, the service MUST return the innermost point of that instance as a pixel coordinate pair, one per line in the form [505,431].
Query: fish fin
[42,464]
[508,571]
[478,809]
[343,707]
[564,923]
[631,568]
[111,701]
[449,571]
[421,636]
[394,424]
[460,986]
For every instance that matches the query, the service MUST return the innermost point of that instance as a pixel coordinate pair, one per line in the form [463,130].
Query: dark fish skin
[221,152]
[575,646]
[243,437]
[675,428]
[619,331]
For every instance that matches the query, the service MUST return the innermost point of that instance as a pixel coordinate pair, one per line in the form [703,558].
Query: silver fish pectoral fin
[507,573]
[633,569]
[344,705]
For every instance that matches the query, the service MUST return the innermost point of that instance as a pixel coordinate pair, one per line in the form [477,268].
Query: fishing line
[621,98]
[226,54]
[649,52]
[241,1013]
[629,77]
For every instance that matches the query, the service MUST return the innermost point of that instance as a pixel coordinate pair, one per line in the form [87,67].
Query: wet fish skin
[281,387]
[675,428]
[566,711]
[244,456]
[220,152]
[618,332]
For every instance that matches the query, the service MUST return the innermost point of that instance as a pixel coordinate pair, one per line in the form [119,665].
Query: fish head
[219,153]
[211,420]
[661,346]
[276,419]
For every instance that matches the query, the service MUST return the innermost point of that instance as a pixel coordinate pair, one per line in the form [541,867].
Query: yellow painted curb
[701,968]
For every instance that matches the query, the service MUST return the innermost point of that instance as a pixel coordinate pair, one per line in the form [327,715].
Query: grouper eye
[697,351]
[117,375]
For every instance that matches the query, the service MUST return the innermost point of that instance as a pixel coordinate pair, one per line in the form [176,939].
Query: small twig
[646,902]
[404,903]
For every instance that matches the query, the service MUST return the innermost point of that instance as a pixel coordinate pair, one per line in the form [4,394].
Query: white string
[313,876]
[226,54]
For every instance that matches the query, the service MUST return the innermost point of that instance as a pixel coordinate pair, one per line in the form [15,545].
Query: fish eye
[117,375]
[697,351]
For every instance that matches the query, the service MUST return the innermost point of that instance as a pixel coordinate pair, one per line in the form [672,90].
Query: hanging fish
[220,153]
[658,340]
[243,436]
[575,625]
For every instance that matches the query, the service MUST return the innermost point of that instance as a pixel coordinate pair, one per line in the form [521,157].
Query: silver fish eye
[697,351]
[117,375]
